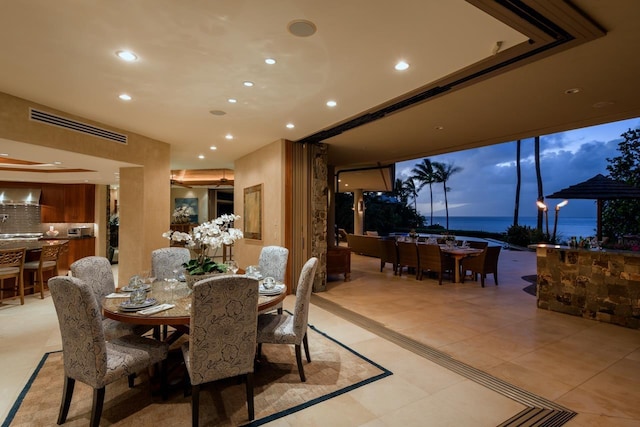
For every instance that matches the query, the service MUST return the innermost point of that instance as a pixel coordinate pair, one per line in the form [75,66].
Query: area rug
[334,369]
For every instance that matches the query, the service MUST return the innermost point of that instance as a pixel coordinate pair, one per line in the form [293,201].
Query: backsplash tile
[22,219]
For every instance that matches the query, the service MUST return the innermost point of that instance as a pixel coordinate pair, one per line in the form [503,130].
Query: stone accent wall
[599,285]
[319,207]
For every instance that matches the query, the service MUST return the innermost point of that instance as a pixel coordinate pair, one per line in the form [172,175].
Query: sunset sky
[486,184]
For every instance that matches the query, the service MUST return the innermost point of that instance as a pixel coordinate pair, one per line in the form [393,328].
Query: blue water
[567,226]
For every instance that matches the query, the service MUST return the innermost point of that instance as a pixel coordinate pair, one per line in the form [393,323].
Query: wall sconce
[360,206]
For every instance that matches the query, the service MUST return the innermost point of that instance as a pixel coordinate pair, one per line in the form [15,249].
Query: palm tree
[518,182]
[443,172]
[400,191]
[425,175]
[539,179]
[409,186]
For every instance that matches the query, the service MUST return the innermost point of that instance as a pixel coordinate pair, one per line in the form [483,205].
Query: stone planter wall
[600,285]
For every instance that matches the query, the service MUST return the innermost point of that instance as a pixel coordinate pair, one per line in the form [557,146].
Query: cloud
[486,184]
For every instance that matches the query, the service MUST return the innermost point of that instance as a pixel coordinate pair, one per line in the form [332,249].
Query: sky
[486,184]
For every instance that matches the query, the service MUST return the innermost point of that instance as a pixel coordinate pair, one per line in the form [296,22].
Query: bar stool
[48,262]
[11,267]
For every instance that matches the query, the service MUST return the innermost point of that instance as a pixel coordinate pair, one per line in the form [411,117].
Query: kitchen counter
[29,244]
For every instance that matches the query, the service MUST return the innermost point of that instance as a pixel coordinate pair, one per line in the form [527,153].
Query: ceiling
[481,72]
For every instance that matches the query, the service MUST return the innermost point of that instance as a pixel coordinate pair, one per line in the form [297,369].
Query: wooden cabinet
[52,203]
[76,249]
[67,203]
[339,261]
[79,201]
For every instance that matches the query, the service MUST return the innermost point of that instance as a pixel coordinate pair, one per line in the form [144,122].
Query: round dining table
[179,316]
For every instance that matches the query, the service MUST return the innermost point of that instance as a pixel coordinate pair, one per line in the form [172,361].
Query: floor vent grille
[53,120]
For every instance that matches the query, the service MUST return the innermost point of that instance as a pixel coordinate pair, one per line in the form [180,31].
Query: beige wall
[146,191]
[264,166]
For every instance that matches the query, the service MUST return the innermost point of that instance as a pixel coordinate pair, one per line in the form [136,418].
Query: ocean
[567,226]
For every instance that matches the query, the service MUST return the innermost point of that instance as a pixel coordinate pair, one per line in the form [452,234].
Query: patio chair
[389,254]
[483,264]
[408,257]
[431,259]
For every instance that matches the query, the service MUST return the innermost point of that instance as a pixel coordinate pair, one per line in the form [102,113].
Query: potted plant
[210,235]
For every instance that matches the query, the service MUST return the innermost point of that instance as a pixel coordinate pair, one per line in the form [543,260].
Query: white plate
[129,306]
[128,289]
[277,290]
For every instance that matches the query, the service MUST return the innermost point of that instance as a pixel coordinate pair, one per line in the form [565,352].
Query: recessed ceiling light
[228,136]
[270,61]
[232,100]
[201,156]
[302,28]
[213,147]
[290,125]
[218,112]
[4,154]
[247,83]
[127,55]
[125,97]
[572,91]
[57,163]
[331,103]
[401,66]
[439,127]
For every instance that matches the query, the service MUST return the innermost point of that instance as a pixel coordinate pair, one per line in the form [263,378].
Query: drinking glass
[232,266]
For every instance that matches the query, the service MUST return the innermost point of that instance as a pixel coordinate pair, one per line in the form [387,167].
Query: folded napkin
[156,309]
[118,295]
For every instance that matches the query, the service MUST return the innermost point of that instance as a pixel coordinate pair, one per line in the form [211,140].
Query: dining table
[459,253]
[179,315]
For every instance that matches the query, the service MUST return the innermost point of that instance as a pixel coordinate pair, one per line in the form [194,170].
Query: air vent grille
[53,120]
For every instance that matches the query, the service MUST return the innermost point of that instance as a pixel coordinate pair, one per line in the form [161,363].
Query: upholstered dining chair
[90,359]
[165,260]
[431,259]
[273,263]
[11,267]
[483,264]
[222,335]
[286,329]
[47,263]
[96,271]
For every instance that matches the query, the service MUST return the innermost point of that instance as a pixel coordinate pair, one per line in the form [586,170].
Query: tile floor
[589,367]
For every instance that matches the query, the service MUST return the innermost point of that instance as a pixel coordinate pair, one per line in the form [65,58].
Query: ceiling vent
[53,120]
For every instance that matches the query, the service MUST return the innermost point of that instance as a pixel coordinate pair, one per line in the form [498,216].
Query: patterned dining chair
[287,329]
[222,335]
[11,267]
[90,359]
[273,263]
[96,271]
[165,260]
[47,263]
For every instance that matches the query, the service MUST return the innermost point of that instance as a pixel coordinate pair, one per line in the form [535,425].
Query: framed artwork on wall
[253,212]
[186,210]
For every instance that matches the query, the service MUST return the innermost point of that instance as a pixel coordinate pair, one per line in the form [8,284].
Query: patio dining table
[458,253]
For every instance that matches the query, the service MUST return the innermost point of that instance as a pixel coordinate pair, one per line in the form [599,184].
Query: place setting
[270,287]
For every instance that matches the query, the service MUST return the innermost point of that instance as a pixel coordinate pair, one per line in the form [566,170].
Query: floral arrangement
[208,235]
[182,214]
